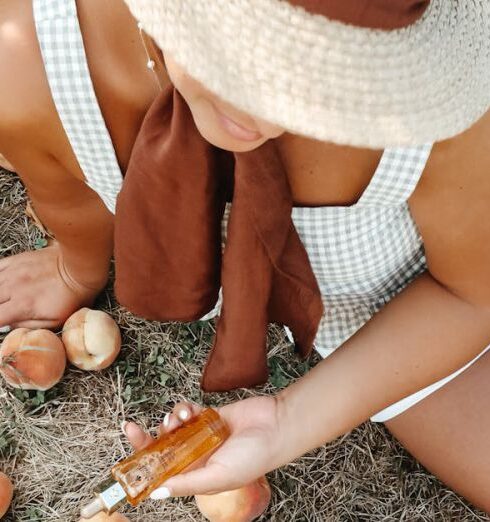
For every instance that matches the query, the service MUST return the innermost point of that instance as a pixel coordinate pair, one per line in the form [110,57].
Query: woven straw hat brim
[332,81]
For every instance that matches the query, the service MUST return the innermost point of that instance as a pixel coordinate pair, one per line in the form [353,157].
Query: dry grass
[57,446]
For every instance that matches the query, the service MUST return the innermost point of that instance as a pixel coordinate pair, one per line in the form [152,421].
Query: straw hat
[373,73]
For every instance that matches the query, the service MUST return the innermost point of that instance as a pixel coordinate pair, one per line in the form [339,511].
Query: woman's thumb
[211,478]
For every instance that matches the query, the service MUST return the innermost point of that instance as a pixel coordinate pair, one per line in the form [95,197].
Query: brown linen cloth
[169,265]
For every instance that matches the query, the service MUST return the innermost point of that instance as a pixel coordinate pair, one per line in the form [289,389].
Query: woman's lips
[236,130]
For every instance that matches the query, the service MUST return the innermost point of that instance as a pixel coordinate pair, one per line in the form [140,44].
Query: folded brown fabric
[169,263]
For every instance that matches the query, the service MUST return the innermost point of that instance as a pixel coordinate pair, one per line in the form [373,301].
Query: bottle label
[149,467]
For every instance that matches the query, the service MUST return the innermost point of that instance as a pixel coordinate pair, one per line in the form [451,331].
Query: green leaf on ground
[164,378]
[40,243]
[278,377]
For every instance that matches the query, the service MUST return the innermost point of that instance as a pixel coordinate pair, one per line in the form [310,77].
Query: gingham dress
[362,255]
[365,254]
[65,62]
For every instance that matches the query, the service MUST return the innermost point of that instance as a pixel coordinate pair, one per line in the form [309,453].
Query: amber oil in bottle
[147,469]
[143,472]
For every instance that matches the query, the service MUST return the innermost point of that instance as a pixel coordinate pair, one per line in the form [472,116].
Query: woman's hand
[36,291]
[252,449]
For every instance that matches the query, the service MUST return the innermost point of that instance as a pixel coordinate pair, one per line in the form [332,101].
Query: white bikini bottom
[399,407]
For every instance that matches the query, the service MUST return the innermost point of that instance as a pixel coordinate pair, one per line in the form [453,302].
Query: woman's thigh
[449,433]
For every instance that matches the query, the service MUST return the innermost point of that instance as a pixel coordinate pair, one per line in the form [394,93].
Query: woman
[75,87]
[397,238]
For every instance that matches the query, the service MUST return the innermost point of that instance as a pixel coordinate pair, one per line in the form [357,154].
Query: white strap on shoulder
[396,177]
[73,93]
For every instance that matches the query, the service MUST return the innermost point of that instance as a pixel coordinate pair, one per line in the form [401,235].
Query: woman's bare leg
[449,433]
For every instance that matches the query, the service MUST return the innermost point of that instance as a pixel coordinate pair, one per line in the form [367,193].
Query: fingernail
[160,494]
[123,427]
[166,420]
[183,415]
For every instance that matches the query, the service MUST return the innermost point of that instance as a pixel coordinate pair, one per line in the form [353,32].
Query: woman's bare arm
[41,288]
[435,326]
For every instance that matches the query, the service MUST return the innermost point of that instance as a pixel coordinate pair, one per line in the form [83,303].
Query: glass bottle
[135,477]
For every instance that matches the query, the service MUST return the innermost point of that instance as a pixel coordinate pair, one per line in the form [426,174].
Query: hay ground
[58,445]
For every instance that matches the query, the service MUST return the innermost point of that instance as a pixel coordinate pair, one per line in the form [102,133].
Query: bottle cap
[109,497]
[90,510]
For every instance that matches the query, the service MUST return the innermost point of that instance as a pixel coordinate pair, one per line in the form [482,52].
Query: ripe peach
[239,505]
[92,339]
[6,493]
[32,359]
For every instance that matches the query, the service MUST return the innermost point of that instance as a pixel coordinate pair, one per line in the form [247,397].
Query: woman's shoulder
[24,93]
[450,207]
[459,168]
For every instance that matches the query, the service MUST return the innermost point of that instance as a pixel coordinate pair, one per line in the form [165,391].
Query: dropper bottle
[134,478]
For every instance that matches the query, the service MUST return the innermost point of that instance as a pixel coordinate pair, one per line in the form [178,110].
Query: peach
[239,505]
[6,493]
[92,339]
[102,517]
[32,359]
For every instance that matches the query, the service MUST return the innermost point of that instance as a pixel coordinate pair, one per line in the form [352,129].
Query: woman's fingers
[137,437]
[12,314]
[5,327]
[196,482]
[5,262]
[45,324]
[184,411]
[181,413]
[9,314]
[5,291]
[170,422]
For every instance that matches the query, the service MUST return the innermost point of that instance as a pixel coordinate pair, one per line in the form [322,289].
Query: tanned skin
[437,324]
[41,288]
